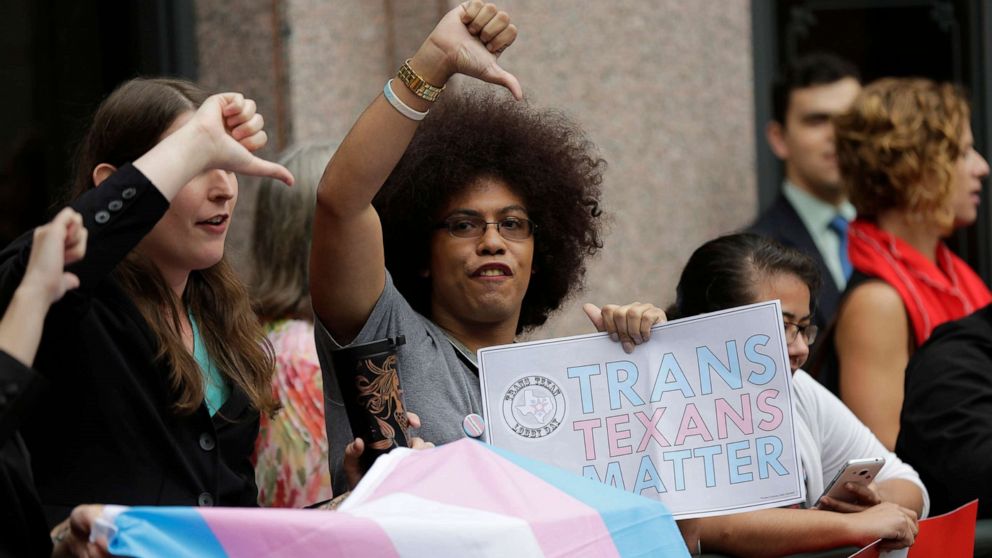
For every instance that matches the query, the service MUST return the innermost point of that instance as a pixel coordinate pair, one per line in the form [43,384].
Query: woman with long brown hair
[906,152]
[158,367]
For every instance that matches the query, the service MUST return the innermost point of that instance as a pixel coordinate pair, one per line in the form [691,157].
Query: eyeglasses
[510,228]
[792,330]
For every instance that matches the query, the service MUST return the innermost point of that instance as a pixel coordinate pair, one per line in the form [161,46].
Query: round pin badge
[474,426]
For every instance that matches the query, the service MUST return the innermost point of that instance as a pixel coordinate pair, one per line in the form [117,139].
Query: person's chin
[496,308]
[209,260]
[832,183]
[966,220]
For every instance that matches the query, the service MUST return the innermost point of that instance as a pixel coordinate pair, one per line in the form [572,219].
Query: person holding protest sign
[158,367]
[483,216]
[906,151]
[743,269]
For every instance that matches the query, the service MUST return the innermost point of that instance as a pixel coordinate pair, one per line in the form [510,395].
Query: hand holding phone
[859,472]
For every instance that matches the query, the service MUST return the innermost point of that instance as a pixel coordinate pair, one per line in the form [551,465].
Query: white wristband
[400,106]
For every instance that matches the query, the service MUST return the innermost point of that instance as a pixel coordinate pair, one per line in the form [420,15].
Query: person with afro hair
[459,229]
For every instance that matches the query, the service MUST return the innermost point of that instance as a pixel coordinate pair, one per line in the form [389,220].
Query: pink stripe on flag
[562,525]
[292,533]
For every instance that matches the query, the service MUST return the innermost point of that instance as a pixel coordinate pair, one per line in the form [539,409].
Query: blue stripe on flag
[164,531]
[639,526]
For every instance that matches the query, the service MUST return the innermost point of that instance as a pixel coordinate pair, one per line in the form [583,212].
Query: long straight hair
[126,125]
[281,239]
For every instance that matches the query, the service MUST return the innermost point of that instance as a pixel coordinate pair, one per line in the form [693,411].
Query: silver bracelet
[399,105]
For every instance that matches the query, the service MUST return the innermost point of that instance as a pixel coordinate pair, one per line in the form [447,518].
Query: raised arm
[222,134]
[873,350]
[347,263]
[55,245]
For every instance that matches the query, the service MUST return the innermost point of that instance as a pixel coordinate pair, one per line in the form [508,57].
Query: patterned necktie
[839,225]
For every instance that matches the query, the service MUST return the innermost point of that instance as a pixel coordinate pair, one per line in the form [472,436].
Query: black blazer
[105,432]
[946,421]
[781,222]
[24,532]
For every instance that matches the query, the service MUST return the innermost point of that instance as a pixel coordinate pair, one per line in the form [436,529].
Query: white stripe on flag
[420,527]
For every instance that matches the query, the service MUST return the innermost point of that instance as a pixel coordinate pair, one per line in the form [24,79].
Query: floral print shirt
[291,451]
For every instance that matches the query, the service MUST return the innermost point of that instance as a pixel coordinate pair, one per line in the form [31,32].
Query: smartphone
[858,471]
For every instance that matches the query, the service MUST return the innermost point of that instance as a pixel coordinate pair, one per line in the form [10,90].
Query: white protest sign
[699,417]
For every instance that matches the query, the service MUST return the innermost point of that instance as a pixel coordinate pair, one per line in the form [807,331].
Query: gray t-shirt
[440,383]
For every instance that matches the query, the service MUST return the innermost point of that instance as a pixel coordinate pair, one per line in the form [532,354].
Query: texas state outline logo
[534,406]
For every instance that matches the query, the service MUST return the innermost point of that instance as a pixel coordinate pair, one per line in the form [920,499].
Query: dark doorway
[59,59]
[944,40]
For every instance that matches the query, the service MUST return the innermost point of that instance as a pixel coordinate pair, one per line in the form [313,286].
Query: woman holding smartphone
[743,269]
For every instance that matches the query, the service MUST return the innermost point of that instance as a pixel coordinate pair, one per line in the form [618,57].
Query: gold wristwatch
[418,85]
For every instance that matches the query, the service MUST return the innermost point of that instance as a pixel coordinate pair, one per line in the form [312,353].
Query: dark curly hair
[543,157]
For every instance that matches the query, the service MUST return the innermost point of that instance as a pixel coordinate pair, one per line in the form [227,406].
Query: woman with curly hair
[907,155]
[483,215]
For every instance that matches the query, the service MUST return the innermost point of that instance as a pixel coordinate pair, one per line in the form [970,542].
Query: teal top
[216,390]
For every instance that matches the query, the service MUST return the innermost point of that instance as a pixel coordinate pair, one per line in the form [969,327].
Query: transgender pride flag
[462,499]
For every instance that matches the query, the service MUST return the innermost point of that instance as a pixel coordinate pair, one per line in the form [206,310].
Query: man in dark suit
[811,213]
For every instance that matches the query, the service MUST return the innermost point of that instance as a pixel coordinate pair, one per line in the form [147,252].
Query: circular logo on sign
[533,407]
